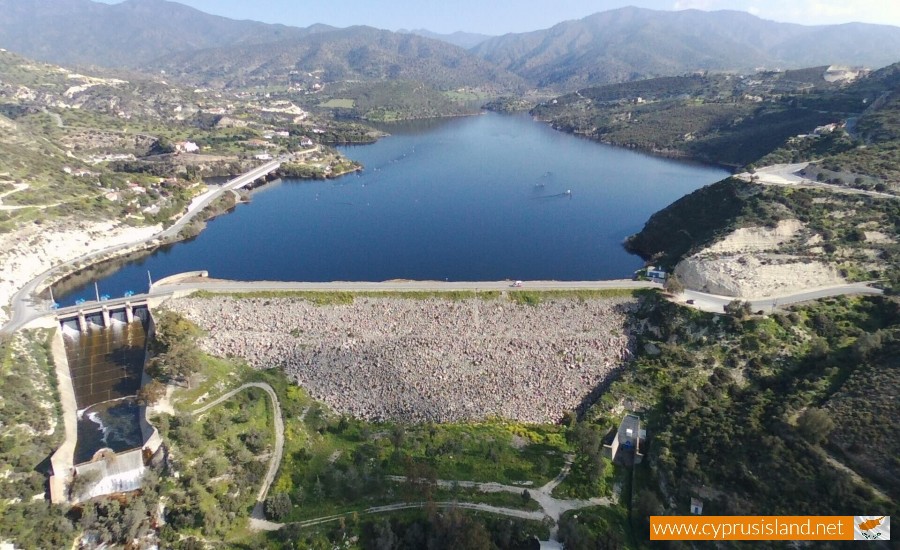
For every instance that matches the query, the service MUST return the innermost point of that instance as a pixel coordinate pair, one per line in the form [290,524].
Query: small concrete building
[656,274]
[696,506]
[625,445]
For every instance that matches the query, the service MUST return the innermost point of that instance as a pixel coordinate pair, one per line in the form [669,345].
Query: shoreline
[34,258]
[661,153]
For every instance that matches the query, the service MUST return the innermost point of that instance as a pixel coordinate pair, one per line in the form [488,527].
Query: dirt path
[856,477]
[551,507]
[257,517]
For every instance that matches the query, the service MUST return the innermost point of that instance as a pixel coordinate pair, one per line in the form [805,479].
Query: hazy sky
[502,16]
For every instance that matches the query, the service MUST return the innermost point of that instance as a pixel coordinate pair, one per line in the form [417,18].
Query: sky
[495,17]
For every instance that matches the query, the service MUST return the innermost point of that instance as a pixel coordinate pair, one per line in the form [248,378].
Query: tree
[814,425]
[254,440]
[151,393]
[179,362]
[163,146]
[674,285]
[595,467]
[278,506]
[173,329]
[646,504]
[738,309]
[383,535]
[397,436]
[586,438]
[867,345]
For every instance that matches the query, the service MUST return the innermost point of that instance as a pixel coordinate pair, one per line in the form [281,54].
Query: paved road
[716,303]
[703,301]
[789,175]
[401,286]
[24,306]
[277,453]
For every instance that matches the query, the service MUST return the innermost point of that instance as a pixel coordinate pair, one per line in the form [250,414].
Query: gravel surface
[427,360]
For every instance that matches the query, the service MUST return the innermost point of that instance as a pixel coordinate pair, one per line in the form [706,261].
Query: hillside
[757,119]
[84,32]
[745,408]
[354,53]
[633,43]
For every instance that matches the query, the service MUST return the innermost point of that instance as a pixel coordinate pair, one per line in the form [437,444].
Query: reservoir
[488,197]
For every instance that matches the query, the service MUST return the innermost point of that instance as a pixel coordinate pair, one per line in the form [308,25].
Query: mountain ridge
[358,52]
[632,43]
[126,35]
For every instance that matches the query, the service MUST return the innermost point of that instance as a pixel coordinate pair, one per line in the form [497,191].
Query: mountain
[632,43]
[83,32]
[459,38]
[354,53]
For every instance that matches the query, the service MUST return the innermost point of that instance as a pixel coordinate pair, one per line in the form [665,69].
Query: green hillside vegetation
[879,130]
[721,119]
[350,54]
[750,122]
[693,221]
[32,430]
[393,100]
[729,403]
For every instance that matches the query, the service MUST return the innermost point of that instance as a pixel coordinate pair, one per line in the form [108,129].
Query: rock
[533,362]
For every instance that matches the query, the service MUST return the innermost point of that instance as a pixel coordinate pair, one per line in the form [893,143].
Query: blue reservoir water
[490,197]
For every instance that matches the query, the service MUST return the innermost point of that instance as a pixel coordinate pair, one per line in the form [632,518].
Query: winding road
[716,303]
[791,175]
[275,461]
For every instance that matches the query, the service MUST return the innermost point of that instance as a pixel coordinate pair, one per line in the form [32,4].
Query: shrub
[278,506]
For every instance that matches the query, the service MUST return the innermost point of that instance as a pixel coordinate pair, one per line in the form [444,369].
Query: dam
[105,350]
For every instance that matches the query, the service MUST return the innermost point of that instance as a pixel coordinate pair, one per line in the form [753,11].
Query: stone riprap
[427,359]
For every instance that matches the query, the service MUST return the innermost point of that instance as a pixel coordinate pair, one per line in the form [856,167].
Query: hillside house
[657,275]
[306,142]
[187,147]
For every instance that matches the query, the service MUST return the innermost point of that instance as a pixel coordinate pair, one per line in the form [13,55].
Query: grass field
[338,103]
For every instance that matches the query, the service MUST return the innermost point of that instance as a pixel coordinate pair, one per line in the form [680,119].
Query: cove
[488,197]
